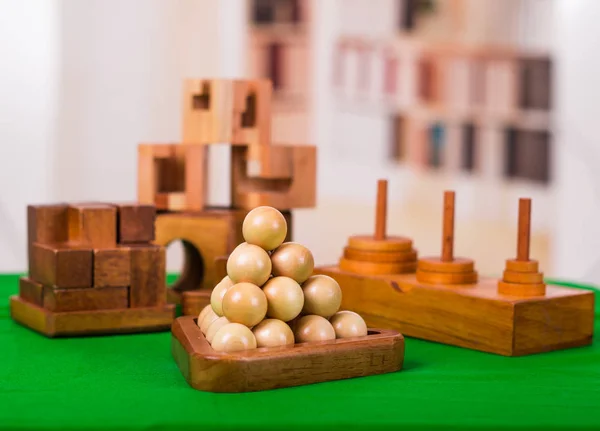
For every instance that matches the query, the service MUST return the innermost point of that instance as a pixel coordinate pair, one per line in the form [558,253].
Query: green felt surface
[131,382]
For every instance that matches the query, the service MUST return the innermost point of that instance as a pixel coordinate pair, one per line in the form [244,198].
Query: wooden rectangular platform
[91,322]
[382,351]
[474,316]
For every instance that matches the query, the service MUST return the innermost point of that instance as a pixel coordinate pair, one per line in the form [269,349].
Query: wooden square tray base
[278,367]
[96,322]
[474,316]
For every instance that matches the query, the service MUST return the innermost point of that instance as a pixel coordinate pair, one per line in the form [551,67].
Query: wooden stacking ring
[376,268]
[523,277]
[514,265]
[380,257]
[390,243]
[435,264]
[519,289]
[446,277]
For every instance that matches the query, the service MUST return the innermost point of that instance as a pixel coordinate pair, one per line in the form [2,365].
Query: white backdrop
[82,82]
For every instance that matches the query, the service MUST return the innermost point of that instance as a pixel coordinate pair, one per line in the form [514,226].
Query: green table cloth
[130,382]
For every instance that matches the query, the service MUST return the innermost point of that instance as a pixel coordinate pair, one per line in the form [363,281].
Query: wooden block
[206,236]
[474,316]
[61,265]
[221,265]
[196,172]
[46,224]
[227,111]
[30,291]
[148,276]
[112,267]
[193,301]
[148,168]
[382,351]
[172,177]
[254,98]
[135,223]
[91,322]
[99,298]
[299,191]
[93,224]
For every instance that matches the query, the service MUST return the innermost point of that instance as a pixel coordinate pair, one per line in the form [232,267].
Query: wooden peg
[381,210]
[448,227]
[524,229]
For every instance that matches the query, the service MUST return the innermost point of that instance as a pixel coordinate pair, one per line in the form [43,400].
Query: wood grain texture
[112,267]
[30,291]
[221,261]
[192,302]
[148,276]
[474,316]
[299,191]
[136,223]
[93,224]
[98,298]
[94,322]
[225,110]
[62,265]
[46,224]
[270,368]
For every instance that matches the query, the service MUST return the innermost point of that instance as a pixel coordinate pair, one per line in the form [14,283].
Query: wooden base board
[193,301]
[474,316]
[277,367]
[97,322]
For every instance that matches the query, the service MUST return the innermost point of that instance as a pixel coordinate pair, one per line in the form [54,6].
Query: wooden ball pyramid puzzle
[443,299]
[271,323]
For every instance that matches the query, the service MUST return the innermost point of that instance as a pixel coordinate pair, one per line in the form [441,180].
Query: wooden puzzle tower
[444,299]
[174,178]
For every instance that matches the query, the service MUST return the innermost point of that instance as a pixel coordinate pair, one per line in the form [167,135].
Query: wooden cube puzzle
[174,177]
[92,270]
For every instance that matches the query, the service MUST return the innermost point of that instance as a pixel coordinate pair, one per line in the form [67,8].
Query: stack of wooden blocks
[173,177]
[93,269]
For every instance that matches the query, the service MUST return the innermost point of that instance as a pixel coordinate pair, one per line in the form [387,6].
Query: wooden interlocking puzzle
[93,269]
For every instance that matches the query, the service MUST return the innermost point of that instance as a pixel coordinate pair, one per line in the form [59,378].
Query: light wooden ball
[249,263]
[245,303]
[284,298]
[273,333]
[203,314]
[293,260]
[207,320]
[322,296]
[348,324]
[216,297]
[265,227]
[233,337]
[313,328]
[214,327]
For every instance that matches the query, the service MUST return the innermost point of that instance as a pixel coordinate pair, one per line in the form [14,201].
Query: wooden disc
[514,265]
[376,268]
[390,243]
[380,256]
[523,277]
[446,277]
[435,264]
[521,289]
